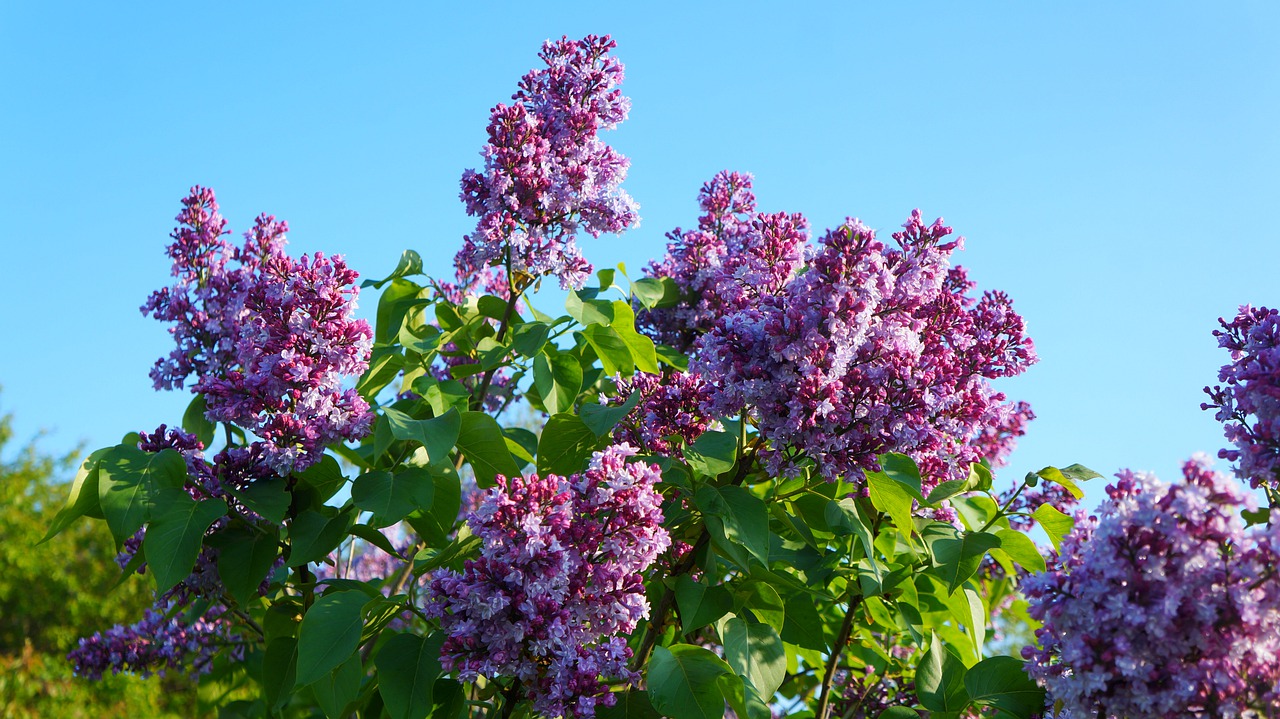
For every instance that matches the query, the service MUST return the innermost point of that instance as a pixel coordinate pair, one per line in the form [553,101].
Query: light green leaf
[436,435]
[683,684]
[615,355]
[755,651]
[601,418]
[891,497]
[1055,524]
[1021,549]
[481,441]
[558,378]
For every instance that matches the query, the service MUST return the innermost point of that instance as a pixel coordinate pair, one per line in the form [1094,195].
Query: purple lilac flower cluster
[996,441]
[1248,401]
[557,585]
[269,340]
[865,694]
[669,407]
[734,257]
[156,644]
[871,350]
[1163,606]
[547,175]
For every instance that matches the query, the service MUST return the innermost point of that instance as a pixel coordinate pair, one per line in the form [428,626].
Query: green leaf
[245,556]
[270,498]
[648,290]
[700,604]
[683,682]
[765,603]
[395,302]
[391,497]
[958,558]
[643,352]
[1055,475]
[319,482]
[481,441]
[529,338]
[588,311]
[976,623]
[410,264]
[408,666]
[743,698]
[1079,473]
[712,453]
[903,470]
[129,483]
[631,704]
[175,535]
[316,532]
[385,364]
[194,421]
[737,520]
[1055,523]
[335,691]
[558,378]
[82,500]
[891,497]
[940,680]
[899,712]
[1021,549]
[615,355]
[755,651]
[566,445]
[279,670]
[329,634]
[1002,682]
[436,435]
[602,418]
[802,625]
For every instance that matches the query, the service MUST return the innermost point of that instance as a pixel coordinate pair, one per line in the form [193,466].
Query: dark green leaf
[528,339]
[765,603]
[393,305]
[700,604]
[631,704]
[903,470]
[175,535]
[385,364]
[737,520]
[408,666]
[335,691]
[959,558]
[1001,682]
[279,670]
[316,532]
[802,625]
[437,435]
[601,418]
[194,421]
[392,497]
[245,557]
[269,498]
[683,682]
[899,712]
[329,634]
[129,483]
[566,445]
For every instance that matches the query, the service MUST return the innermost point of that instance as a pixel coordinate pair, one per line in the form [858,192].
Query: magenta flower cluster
[1163,606]
[729,262]
[669,407]
[1248,400]
[546,174]
[557,585]
[270,340]
[871,349]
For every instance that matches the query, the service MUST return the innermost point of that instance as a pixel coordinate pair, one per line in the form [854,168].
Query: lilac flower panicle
[733,258]
[872,349]
[547,175]
[155,644]
[1248,400]
[1161,606]
[558,583]
[269,338]
[670,406]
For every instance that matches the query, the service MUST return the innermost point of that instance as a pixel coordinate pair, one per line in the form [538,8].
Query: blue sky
[1112,166]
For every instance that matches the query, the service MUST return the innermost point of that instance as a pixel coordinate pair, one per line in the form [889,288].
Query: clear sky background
[1112,165]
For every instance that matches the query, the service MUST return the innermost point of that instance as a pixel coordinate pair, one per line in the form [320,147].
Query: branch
[846,629]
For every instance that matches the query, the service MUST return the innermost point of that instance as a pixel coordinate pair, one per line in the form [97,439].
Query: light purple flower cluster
[156,644]
[270,340]
[870,350]
[1248,401]
[733,258]
[557,584]
[996,441]
[1163,606]
[547,175]
[669,407]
